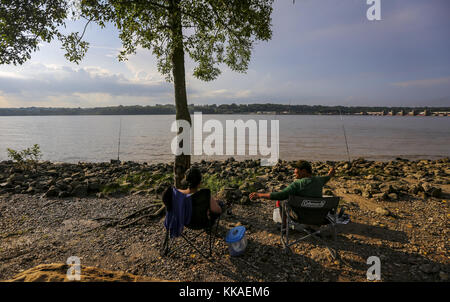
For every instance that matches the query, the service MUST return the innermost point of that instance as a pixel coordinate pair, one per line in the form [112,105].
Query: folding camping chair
[199,223]
[320,212]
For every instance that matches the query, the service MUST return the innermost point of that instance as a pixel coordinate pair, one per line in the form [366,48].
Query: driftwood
[123,222]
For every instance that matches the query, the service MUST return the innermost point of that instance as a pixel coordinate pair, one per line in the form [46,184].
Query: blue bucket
[236,240]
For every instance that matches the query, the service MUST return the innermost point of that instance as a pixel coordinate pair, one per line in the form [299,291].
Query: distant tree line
[212,109]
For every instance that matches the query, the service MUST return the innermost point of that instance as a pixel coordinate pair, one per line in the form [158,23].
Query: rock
[423,195]
[63,194]
[443,276]
[61,184]
[52,192]
[230,195]
[366,194]
[5,185]
[319,254]
[140,192]
[429,268]
[245,200]
[357,191]
[436,192]
[393,196]
[257,185]
[94,185]
[16,177]
[67,180]
[416,189]
[381,196]
[80,190]
[382,211]
[384,188]
[328,193]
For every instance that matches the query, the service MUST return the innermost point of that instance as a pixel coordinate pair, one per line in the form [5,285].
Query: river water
[147,138]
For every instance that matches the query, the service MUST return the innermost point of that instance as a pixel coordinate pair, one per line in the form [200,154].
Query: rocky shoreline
[102,179]
[50,211]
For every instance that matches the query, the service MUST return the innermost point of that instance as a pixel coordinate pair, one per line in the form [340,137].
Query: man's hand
[254,195]
[331,172]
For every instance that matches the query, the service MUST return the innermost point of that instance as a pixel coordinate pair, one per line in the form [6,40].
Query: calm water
[147,138]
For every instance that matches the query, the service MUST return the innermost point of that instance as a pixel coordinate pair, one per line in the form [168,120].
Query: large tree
[211,32]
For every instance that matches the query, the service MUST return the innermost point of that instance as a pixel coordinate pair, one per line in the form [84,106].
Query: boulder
[245,200]
[436,192]
[93,185]
[80,190]
[52,192]
[381,196]
[382,211]
[393,196]
[367,194]
[64,194]
[230,195]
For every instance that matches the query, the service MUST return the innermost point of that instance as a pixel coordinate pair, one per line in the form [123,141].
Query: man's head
[193,177]
[302,169]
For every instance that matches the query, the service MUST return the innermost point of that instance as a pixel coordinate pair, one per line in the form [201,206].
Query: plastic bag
[277,213]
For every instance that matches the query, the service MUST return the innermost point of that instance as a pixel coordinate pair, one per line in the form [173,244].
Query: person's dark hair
[193,177]
[303,165]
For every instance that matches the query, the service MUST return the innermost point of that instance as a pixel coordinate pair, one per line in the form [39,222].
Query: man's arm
[325,179]
[284,194]
[255,195]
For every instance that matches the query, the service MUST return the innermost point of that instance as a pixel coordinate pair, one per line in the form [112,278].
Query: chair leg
[213,236]
[210,241]
[164,250]
[284,230]
[281,227]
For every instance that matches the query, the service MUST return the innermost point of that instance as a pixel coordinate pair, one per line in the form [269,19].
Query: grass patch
[137,181]
[146,180]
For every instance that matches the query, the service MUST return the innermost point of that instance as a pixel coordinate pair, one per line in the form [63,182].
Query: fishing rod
[345,135]
[118,145]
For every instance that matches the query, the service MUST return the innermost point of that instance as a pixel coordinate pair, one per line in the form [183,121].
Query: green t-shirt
[307,187]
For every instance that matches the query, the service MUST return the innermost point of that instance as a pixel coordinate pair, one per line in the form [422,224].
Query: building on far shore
[441,113]
[425,113]
[375,112]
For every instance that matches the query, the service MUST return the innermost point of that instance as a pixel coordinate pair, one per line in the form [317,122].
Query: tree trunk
[183,161]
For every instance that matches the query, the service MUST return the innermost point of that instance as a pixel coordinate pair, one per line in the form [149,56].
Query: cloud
[423,83]
[53,80]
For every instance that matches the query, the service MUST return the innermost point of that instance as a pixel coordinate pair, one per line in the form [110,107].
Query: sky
[322,52]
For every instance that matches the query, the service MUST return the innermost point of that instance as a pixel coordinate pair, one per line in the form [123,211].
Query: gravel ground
[411,240]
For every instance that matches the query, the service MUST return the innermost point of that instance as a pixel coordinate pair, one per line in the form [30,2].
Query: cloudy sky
[322,52]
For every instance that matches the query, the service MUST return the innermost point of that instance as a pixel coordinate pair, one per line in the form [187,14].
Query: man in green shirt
[305,184]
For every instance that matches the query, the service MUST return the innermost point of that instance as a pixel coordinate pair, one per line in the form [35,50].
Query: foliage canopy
[213,32]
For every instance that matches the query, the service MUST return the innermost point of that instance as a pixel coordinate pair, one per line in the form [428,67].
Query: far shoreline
[233,108]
